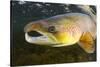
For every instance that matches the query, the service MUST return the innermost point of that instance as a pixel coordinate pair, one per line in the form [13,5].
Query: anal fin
[87,43]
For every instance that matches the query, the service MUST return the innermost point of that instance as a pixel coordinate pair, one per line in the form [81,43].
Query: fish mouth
[40,38]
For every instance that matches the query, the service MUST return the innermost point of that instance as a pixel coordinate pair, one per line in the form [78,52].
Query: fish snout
[31,27]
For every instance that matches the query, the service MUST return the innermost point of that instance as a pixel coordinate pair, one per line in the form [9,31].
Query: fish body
[63,30]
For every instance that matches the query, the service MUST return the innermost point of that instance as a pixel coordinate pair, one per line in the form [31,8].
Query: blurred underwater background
[23,53]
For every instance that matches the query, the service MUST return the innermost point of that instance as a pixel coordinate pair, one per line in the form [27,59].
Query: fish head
[46,33]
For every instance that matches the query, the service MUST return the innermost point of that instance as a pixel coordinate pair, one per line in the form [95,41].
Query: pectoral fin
[87,43]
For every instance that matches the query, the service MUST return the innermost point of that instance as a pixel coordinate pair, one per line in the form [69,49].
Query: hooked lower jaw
[41,40]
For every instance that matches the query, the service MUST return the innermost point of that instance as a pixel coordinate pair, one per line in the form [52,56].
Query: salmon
[64,30]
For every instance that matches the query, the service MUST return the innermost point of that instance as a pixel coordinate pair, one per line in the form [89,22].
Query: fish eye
[52,29]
